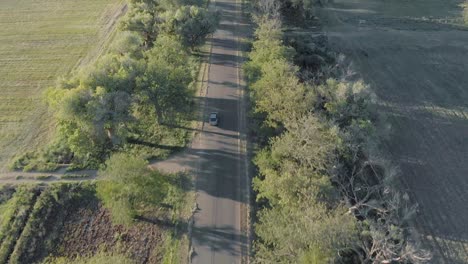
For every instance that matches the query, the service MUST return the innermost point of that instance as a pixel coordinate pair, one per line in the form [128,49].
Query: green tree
[166,79]
[114,72]
[127,185]
[344,102]
[266,48]
[143,18]
[297,165]
[110,114]
[128,43]
[290,234]
[191,23]
[91,122]
[279,94]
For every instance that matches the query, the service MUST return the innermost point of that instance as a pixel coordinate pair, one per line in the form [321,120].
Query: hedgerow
[322,195]
[135,98]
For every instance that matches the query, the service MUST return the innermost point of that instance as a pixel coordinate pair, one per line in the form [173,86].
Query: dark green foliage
[191,23]
[74,176]
[143,19]
[166,78]
[6,192]
[44,177]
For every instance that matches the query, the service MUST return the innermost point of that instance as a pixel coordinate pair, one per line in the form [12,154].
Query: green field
[40,41]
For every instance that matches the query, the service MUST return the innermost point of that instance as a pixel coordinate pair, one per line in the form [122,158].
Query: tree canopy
[126,185]
[191,23]
[322,197]
[141,84]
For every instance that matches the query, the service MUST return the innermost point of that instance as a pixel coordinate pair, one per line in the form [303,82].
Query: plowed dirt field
[414,54]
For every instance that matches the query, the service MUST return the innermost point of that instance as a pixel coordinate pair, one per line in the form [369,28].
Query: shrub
[44,177]
[44,160]
[74,176]
[126,185]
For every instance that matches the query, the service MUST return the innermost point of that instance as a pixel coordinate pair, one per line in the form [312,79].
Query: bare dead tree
[387,212]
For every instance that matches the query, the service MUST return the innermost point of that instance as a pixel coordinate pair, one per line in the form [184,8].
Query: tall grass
[14,214]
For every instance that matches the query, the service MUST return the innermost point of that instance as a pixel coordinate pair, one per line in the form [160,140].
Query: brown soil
[89,230]
[417,64]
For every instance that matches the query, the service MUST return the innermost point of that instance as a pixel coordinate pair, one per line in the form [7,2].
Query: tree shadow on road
[220,239]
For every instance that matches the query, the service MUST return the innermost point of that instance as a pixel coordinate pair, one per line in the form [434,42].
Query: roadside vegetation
[90,222]
[127,187]
[324,194]
[133,104]
[137,98]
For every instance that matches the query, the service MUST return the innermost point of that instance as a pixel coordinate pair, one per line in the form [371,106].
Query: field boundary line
[109,31]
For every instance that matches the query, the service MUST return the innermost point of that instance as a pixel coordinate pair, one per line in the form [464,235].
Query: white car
[214,119]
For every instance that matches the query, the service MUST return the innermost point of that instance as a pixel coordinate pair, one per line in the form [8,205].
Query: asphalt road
[217,154]
[217,235]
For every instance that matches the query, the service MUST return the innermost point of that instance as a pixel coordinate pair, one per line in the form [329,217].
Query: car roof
[214,114]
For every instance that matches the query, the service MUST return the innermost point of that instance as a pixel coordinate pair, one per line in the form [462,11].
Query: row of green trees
[140,85]
[322,197]
[302,218]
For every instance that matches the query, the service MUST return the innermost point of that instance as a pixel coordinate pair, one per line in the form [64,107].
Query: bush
[127,185]
[74,176]
[44,177]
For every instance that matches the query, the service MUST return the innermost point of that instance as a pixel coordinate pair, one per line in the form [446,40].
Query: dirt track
[418,66]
